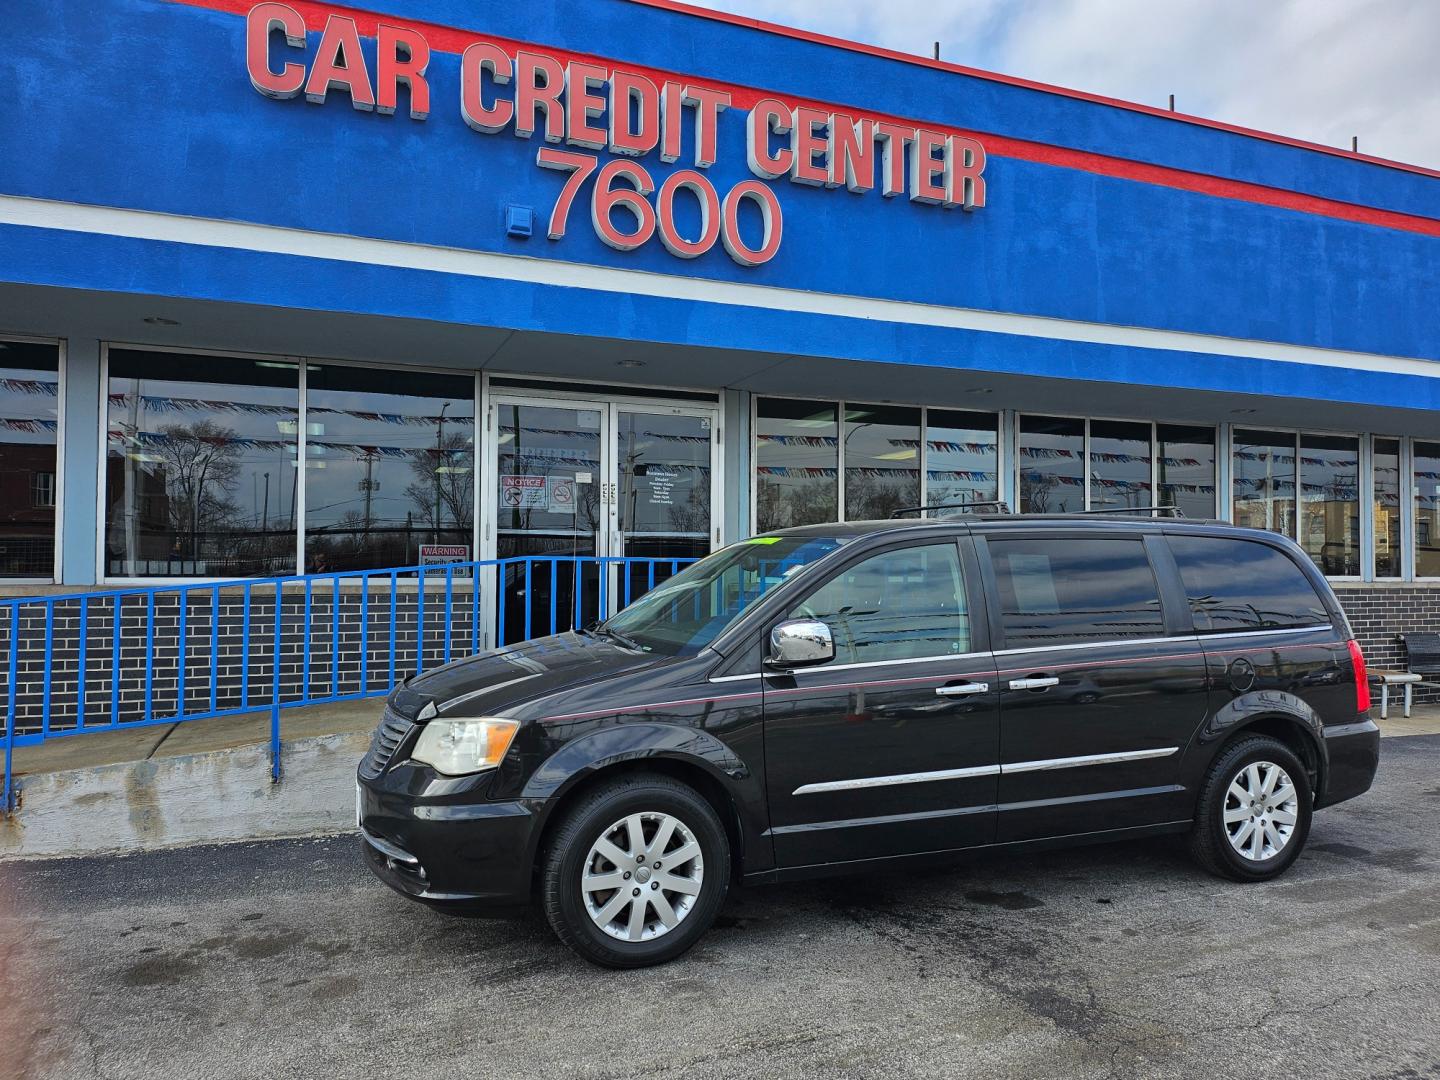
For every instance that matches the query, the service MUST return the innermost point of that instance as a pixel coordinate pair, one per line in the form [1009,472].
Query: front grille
[387,738]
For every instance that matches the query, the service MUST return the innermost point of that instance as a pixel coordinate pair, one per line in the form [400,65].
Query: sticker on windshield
[763,540]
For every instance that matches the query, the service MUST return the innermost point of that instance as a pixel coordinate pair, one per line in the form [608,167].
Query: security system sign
[625,114]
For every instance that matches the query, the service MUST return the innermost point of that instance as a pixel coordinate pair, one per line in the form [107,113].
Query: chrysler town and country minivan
[843,697]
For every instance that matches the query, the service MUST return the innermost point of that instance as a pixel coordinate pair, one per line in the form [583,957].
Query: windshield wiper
[628,642]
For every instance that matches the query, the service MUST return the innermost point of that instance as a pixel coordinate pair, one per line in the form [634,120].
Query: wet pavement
[287,959]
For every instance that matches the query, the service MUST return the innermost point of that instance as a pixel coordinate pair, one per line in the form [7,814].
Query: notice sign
[561,491]
[523,493]
[662,487]
[443,554]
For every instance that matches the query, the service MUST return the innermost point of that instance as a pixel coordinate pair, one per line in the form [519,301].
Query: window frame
[1221,444]
[1175,620]
[1362,465]
[1303,564]
[58,546]
[972,580]
[303,363]
[1004,440]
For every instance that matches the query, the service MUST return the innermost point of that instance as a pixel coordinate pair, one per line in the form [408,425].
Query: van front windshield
[687,612]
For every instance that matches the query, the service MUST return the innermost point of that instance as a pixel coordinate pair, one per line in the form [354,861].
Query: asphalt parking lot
[286,959]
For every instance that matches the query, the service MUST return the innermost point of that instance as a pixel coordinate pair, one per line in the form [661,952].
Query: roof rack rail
[1172,510]
[998,505]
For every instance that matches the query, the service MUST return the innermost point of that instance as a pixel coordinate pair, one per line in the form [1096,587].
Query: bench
[1423,660]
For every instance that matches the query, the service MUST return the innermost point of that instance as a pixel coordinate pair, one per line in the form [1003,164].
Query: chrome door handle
[963,689]
[1034,684]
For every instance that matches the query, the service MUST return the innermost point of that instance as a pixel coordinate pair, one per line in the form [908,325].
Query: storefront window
[1187,469]
[1264,480]
[1119,465]
[390,468]
[1427,509]
[1386,465]
[1330,502]
[882,460]
[200,466]
[29,420]
[797,445]
[1052,465]
[962,457]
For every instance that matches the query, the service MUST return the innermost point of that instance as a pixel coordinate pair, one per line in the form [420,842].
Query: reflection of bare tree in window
[1037,492]
[201,468]
[875,497]
[693,515]
[785,503]
[443,484]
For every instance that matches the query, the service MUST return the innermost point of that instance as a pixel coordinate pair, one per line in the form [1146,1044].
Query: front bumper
[447,849]
[1354,756]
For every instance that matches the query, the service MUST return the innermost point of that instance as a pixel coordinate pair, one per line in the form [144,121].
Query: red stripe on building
[452,40]
[1025,84]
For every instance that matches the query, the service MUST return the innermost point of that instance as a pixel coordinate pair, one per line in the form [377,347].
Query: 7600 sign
[627,185]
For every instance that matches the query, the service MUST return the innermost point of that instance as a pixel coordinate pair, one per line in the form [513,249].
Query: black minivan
[841,697]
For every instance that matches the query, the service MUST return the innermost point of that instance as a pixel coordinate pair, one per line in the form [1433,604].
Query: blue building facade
[297,287]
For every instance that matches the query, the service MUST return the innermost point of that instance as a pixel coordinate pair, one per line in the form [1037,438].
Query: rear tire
[1254,812]
[636,872]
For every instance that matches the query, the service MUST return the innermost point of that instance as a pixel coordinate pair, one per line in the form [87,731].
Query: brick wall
[1379,614]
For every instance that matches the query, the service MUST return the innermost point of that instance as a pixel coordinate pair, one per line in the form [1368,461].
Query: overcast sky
[1322,70]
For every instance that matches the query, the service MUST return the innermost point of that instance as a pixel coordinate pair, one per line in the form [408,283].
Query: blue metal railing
[136,657]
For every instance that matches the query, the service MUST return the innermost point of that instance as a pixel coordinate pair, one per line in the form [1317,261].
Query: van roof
[986,522]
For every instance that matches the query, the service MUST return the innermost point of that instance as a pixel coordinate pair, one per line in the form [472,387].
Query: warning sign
[442,554]
[562,495]
[523,492]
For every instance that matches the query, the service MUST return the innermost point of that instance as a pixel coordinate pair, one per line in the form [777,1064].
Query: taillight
[1362,678]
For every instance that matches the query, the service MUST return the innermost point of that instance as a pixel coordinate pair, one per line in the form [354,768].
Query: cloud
[1322,70]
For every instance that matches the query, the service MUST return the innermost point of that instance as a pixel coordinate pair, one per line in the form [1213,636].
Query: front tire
[636,872]
[1254,812]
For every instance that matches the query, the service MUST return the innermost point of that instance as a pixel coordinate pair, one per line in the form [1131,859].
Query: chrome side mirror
[799,643]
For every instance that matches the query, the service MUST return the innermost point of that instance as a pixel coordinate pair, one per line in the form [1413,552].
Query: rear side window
[1244,585]
[1058,591]
[906,604]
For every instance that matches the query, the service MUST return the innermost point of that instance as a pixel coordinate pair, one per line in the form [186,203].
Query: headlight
[461,747]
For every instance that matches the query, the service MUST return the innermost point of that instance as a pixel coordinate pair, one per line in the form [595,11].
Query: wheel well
[1294,735]
[686,773]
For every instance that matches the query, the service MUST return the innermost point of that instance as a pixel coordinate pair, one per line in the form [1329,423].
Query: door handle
[1034,684]
[963,689]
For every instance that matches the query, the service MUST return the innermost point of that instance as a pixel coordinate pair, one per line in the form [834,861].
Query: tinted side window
[899,605]
[1058,591]
[1244,585]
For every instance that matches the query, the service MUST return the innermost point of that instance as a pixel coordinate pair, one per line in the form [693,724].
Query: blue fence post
[49,667]
[183,655]
[215,648]
[449,609]
[394,589]
[275,685]
[115,649]
[334,636]
[420,621]
[364,634]
[80,663]
[14,669]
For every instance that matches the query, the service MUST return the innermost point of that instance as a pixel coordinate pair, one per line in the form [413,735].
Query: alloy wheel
[642,876]
[1261,811]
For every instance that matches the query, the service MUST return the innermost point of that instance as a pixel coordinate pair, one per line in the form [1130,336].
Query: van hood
[503,678]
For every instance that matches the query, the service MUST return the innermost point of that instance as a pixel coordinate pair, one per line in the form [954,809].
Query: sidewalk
[196,737]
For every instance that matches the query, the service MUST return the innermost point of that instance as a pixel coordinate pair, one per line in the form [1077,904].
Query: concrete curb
[213,797]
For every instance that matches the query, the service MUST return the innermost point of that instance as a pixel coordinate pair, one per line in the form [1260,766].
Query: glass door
[576,486]
[550,457]
[665,487]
